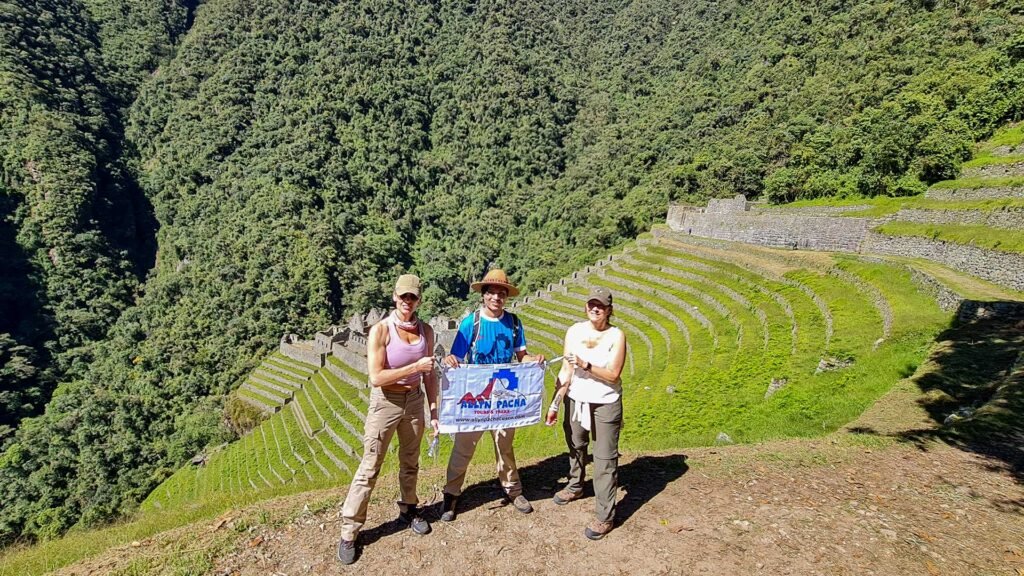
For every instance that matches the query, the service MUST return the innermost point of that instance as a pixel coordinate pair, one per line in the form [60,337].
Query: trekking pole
[549,363]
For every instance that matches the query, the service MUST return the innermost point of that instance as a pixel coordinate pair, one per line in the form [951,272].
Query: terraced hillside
[727,342]
[313,438]
[974,224]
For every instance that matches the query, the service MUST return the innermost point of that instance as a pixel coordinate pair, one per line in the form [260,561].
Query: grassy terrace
[709,327]
[768,343]
[989,160]
[808,322]
[978,182]
[279,456]
[980,236]
[1009,136]
[967,286]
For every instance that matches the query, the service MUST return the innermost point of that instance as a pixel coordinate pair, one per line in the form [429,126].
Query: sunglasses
[409,297]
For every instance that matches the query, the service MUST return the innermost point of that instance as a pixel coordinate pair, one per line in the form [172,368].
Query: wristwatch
[589,366]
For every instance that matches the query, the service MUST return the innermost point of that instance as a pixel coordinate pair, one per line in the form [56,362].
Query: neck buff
[410,326]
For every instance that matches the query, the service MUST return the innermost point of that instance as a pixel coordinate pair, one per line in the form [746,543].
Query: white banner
[491,396]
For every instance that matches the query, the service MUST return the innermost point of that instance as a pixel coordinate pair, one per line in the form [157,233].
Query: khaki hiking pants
[388,412]
[462,453]
[605,426]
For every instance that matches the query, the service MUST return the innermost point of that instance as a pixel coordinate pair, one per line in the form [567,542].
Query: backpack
[517,328]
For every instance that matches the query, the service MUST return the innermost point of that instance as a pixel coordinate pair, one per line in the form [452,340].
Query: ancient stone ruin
[348,343]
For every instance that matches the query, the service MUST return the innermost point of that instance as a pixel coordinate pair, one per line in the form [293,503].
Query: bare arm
[565,372]
[522,356]
[376,354]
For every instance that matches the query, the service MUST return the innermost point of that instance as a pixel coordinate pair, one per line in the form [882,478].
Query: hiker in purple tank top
[399,361]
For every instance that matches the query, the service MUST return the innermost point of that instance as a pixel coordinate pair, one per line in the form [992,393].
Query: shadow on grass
[640,480]
[972,388]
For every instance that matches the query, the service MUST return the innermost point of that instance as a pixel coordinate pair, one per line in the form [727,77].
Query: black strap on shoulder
[472,339]
[517,329]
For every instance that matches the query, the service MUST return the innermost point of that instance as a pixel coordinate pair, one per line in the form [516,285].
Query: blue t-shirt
[494,343]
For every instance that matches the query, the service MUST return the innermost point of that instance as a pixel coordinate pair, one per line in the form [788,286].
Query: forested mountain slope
[296,155]
[75,229]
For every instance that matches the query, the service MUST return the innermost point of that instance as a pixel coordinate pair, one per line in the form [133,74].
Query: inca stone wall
[989,193]
[973,309]
[736,222]
[352,358]
[806,210]
[1000,267]
[300,350]
[1017,150]
[994,171]
[1012,219]
[737,203]
[833,234]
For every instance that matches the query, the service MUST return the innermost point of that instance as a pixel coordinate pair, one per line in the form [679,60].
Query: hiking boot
[410,516]
[564,496]
[521,504]
[448,507]
[346,551]
[597,529]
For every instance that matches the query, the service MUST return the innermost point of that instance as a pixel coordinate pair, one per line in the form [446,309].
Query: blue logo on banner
[504,398]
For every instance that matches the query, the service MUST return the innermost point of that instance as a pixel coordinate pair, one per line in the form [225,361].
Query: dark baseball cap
[601,294]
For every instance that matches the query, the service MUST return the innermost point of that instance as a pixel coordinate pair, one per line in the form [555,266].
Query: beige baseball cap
[408,284]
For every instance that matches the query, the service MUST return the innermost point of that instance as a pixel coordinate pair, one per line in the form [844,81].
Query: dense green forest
[75,229]
[183,184]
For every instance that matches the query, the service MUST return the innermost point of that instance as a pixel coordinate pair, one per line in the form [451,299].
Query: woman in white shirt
[591,389]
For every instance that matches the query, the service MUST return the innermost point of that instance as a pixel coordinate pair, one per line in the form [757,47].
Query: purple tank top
[399,354]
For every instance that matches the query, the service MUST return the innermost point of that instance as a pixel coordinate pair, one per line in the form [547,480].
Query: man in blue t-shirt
[499,339]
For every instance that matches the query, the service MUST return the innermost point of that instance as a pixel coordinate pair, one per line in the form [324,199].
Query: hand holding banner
[491,396]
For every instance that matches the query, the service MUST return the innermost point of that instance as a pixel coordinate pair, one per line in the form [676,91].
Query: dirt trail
[829,506]
[847,503]
[842,510]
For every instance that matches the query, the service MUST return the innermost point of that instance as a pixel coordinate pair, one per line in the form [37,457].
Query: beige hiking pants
[388,412]
[462,453]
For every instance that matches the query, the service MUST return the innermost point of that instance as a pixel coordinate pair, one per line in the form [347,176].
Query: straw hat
[495,277]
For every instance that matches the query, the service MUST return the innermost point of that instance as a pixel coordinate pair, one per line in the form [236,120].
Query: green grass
[810,323]
[911,313]
[978,236]
[989,160]
[1012,135]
